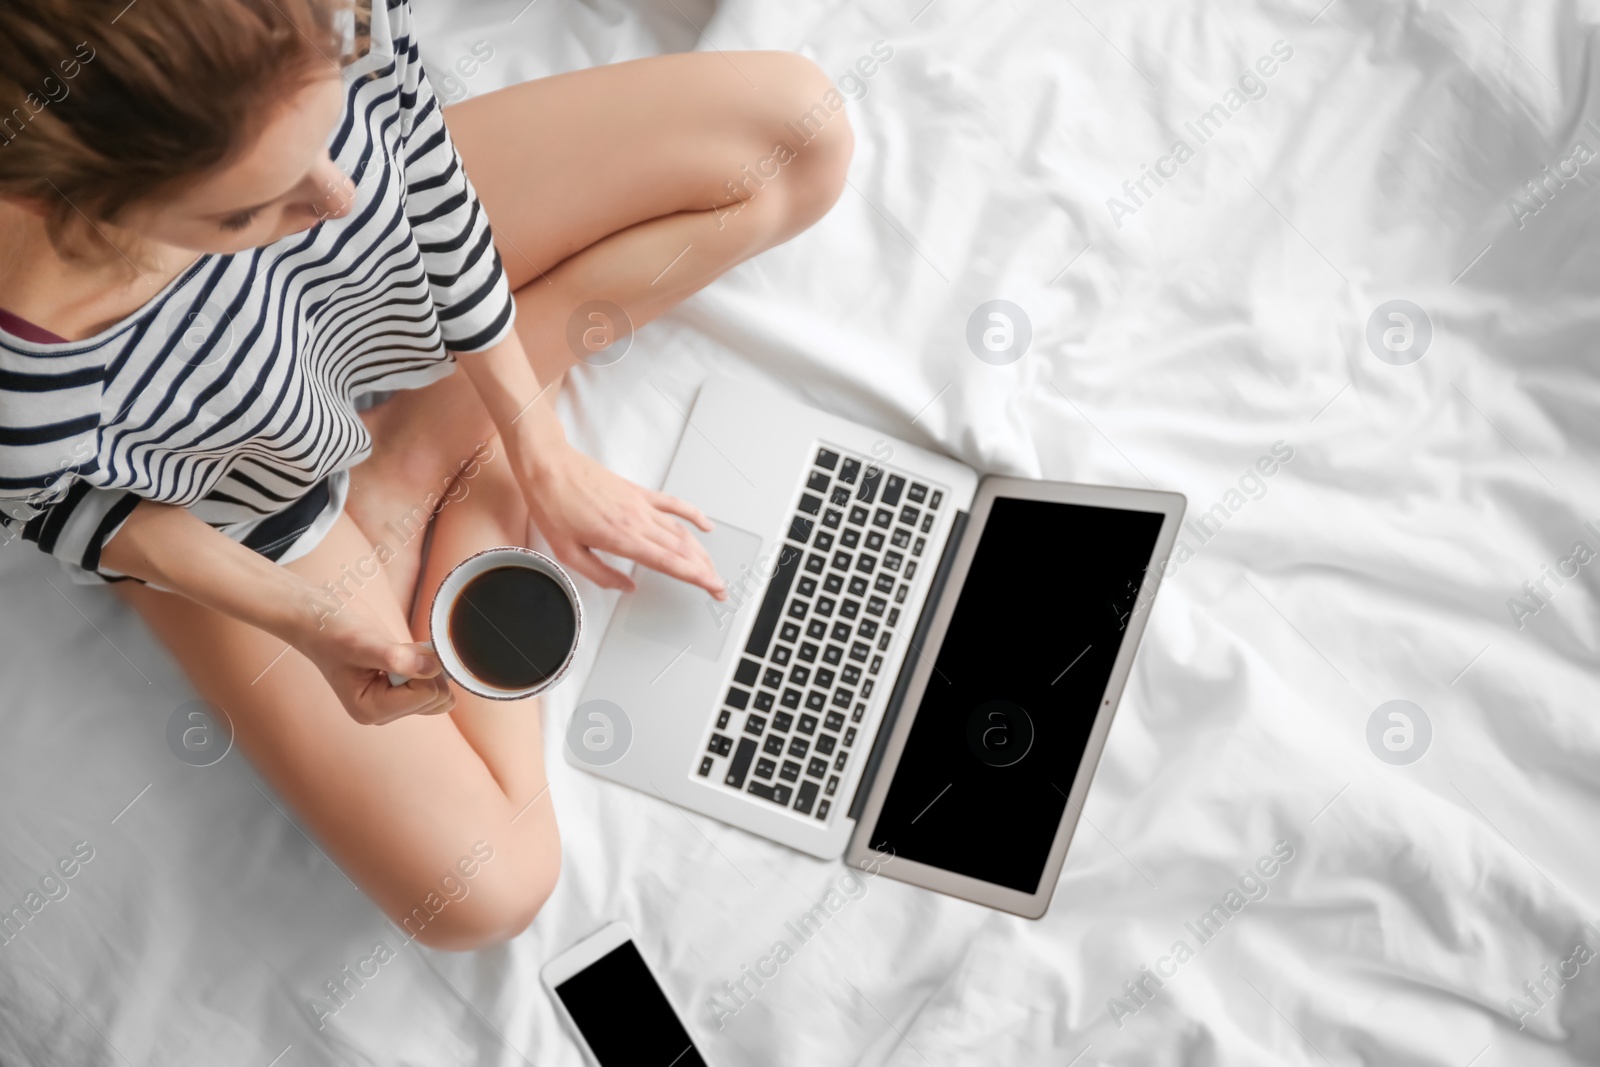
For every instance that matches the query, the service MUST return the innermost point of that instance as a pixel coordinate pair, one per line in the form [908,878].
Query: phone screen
[623,1014]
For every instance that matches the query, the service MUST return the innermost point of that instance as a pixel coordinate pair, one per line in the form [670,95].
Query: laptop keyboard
[790,724]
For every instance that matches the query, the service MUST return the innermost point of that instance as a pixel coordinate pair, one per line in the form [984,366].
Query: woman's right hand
[356,654]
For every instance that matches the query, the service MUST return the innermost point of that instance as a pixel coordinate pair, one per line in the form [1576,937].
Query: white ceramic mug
[444,600]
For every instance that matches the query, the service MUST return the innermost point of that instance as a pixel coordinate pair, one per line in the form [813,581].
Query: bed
[1374,667]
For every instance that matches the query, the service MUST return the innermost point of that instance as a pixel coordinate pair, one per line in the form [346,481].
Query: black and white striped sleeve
[47,439]
[468,281]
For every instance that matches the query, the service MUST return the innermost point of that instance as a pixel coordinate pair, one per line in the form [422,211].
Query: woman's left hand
[581,508]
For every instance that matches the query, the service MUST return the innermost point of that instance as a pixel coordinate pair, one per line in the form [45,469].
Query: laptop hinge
[919,639]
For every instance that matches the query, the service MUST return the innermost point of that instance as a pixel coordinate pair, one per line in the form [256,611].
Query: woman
[227,228]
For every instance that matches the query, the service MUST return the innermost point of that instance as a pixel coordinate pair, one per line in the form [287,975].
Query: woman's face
[282,184]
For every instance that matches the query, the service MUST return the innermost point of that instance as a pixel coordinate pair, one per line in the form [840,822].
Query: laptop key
[808,651]
[818,482]
[765,768]
[835,721]
[722,719]
[799,529]
[877,665]
[705,767]
[840,495]
[911,569]
[800,675]
[773,745]
[900,594]
[900,538]
[806,797]
[858,586]
[815,701]
[825,605]
[935,500]
[850,538]
[808,724]
[833,786]
[858,516]
[830,519]
[868,629]
[814,628]
[858,651]
[892,561]
[876,605]
[815,563]
[861,710]
[851,675]
[827,458]
[866,688]
[841,560]
[790,698]
[927,522]
[773,679]
[832,654]
[810,504]
[825,744]
[777,793]
[781,654]
[798,747]
[882,517]
[797,609]
[745,673]
[822,809]
[841,632]
[824,677]
[772,603]
[807,586]
[838,764]
[833,583]
[782,721]
[816,769]
[869,484]
[909,515]
[848,472]
[894,617]
[892,488]
[850,737]
[789,632]
[824,542]
[883,641]
[754,724]
[874,540]
[851,608]
[865,563]
[741,762]
[884,584]
[917,493]
[789,771]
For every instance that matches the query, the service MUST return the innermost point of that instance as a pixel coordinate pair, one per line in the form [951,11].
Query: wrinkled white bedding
[1178,336]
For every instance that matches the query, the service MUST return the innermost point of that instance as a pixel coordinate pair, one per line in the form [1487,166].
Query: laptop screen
[982,783]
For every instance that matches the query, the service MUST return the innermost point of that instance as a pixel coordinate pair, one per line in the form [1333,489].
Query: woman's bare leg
[641,182]
[402,808]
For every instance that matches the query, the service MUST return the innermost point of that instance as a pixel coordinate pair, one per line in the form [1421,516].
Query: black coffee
[512,627]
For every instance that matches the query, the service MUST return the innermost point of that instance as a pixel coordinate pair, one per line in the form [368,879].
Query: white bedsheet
[1225,314]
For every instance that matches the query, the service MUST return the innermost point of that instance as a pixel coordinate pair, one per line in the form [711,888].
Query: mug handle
[400,679]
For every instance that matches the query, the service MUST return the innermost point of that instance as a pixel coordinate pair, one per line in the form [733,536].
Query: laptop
[916,666]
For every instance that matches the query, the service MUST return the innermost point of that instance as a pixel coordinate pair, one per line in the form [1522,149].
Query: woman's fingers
[667,533]
[585,562]
[681,508]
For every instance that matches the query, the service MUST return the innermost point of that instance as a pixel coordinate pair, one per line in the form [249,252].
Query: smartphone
[605,991]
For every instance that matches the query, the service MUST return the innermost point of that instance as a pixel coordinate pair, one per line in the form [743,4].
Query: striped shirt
[234,391]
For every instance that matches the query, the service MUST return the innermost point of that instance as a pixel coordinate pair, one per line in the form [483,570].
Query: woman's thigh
[396,806]
[563,161]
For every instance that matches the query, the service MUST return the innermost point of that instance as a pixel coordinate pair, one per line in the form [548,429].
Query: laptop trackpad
[679,614]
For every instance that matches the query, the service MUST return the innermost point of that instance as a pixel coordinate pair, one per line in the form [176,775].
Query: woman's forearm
[520,405]
[170,547]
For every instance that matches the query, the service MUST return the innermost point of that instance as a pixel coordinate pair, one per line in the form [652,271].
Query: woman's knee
[495,905]
[808,139]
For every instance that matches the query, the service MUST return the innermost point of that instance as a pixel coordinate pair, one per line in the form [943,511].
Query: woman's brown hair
[106,103]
